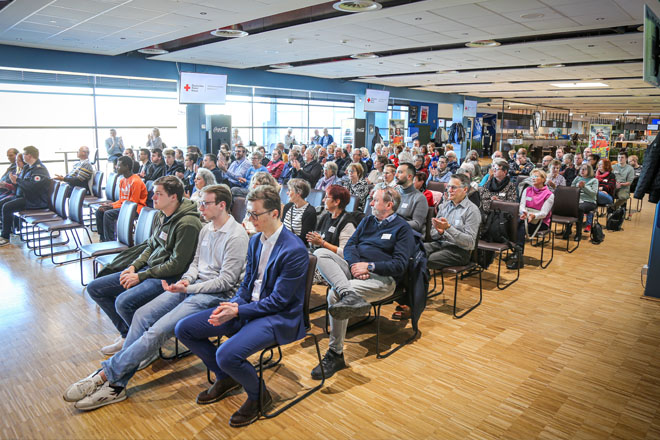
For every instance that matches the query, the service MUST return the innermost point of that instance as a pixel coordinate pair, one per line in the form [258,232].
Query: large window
[265,115]
[70,111]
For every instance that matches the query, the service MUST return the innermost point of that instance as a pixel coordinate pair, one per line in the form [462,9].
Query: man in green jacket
[165,256]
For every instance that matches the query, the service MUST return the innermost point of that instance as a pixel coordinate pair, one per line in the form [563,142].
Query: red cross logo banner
[187,88]
[368,99]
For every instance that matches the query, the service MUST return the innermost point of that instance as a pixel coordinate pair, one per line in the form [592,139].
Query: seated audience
[535,213]
[455,227]
[374,259]
[545,164]
[134,277]
[131,188]
[238,169]
[255,167]
[82,173]
[633,161]
[145,162]
[624,174]
[336,225]
[588,191]
[414,206]
[31,191]
[172,166]
[264,159]
[420,185]
[521,166]
[440,171]
[606,182]
[579,160]
[190,164]
[311,171]
[389,175]
[366,161]
[203,178]
[498,187]
[420,167]
[276,164]
[329,176]
[287,171]
[356,185]
[568,169]
[298,216]
[130,153]
[559,154]
[156,168]
[554,177]
[267,309]
[6,187]
[212,278]
[210,162]
[342,161]
[452,161]
[473,158]
[376,175]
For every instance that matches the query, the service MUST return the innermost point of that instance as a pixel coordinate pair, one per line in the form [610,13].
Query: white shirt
[267,246]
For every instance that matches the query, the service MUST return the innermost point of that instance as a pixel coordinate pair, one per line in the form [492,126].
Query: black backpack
[615,219]
[597,234]
[495,228]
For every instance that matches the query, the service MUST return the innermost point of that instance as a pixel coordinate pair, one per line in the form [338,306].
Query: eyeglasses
[255,216]
[205,204]
[453,187]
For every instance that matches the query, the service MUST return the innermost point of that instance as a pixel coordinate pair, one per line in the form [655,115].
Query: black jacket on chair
[649,180]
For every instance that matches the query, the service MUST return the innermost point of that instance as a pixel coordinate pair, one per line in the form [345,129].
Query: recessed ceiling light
[363,56]
[153,51]
[230,32]
[281,66]
[444,72]
[357,6]
[52,21]
[483,43]
[550,65]
[419,64]
[271,51]
[532,16]
[580,85]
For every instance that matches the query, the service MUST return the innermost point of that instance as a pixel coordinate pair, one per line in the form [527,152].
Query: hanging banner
[599,139]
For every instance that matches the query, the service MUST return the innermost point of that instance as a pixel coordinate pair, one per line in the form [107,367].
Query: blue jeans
[152,325]
[230,359]
[120,304]
[602,198]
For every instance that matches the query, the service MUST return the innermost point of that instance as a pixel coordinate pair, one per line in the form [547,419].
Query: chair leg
[177,354]
[459,316]
[499,265]
[433,293]
[552,250]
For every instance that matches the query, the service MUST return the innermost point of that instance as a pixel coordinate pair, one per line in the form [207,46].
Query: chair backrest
[97,186]
[145,224]
[309,282]
[315,197]
[76,204]
[53,188]
[125,223]
[436,186]
[110,186]
[117,191]
[238,208]
[367,206]
[150,185]
[567,201]
[60,200]
[352,204]
[284,197]
[429,223]
[512,208]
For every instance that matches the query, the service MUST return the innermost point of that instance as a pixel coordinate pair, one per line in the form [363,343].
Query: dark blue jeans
[120,304]
[246,338]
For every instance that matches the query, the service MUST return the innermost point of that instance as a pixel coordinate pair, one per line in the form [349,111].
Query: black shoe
[217,391]
[515,262]
[331,362]
[351,304]
[249,411]
[566,235]
[578,237]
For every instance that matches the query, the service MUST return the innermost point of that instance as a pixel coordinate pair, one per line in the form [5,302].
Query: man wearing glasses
[213,276]
[267,309]
[455,227]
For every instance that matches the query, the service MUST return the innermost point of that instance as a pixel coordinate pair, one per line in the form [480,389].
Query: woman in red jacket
[606,182]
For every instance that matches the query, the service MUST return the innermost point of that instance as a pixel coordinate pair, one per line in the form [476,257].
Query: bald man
[82,172]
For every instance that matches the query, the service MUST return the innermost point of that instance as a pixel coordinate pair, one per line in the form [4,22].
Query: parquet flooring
[567,352]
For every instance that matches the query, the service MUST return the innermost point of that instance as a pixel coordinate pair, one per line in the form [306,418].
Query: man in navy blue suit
[267,309]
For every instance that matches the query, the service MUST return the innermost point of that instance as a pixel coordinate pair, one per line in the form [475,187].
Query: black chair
[308,290]
[565,210]
[458,271]
[429,224]
[315,198]
[125,223]
[352,204]
[72,223]
[239,209]
[512,208]
[436,186]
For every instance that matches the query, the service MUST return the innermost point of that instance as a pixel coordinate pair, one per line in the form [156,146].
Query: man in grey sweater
[413,207]
[213,276]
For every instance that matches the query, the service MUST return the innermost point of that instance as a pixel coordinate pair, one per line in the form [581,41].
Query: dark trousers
[442,254]
[8,210]
[583,208]
[230,359]
[520,241]
[106,222]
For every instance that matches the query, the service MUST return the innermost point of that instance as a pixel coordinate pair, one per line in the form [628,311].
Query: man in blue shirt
[326,139]
[238,168]
[243,190]
[375,258]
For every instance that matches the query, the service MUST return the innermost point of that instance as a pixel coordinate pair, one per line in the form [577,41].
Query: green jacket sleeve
[186,236]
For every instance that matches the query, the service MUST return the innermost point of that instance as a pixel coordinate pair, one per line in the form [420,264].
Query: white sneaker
[113,348]
[104,395]
[148,361]
[3,241]
[84,387]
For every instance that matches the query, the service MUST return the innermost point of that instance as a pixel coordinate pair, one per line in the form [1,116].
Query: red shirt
[132,189]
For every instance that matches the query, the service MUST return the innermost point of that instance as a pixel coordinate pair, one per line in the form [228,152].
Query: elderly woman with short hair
[203,178]
[299,216]
[357,185]
[311,171]
[329,176]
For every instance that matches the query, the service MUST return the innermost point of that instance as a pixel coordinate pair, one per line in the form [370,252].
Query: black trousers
[8,210]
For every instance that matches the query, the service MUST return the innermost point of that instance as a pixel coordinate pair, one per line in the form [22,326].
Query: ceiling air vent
[357,6]
[153,51]
[364,56]
[230,32]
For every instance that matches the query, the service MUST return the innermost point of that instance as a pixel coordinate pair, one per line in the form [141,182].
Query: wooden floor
[567,352]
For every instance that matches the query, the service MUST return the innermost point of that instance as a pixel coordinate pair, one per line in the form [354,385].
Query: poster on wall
[470,109]
[397,130]
[424,114]
[478,129]
[599,139]
[412,114]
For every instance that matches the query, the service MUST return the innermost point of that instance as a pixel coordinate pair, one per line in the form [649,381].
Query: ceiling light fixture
[551,65]
[580,85]
[419,64]
[483,43]
[234,31]
[444,72]
[364,56]
[357,6]
[281,66]
[532,16]
[153,50]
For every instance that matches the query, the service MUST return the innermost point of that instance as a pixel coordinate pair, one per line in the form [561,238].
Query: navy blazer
[283,287]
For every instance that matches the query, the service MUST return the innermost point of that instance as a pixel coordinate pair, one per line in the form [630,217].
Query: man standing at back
[114,146]
[82,172]
[164,256]
[31,192]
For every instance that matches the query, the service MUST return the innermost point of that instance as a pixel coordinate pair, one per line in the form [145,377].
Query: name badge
[323,236]
[458,221]
[332,229]
[386,236]
[529,199]
[404,205]
[163,236]
[502,194]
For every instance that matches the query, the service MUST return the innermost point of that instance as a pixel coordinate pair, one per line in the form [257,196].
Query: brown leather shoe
[249,411]
[217,391]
